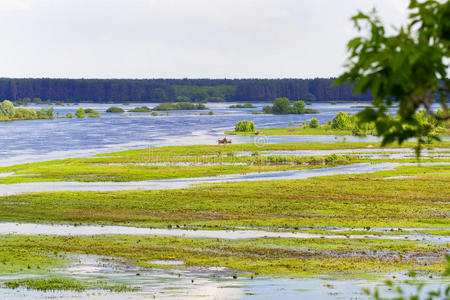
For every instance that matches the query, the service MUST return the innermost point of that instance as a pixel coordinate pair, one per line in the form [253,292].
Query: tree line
[175,90]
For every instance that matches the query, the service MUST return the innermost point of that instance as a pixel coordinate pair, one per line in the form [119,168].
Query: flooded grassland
[284,220]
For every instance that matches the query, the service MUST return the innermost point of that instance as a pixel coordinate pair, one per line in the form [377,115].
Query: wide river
[38,140]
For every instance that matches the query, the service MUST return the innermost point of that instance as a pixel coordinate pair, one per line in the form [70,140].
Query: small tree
[342,121]
[6,110]
[314,123]
[79,113]
[298,107]
[267,109]
[245,126]
[281,106]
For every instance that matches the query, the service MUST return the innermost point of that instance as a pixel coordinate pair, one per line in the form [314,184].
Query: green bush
[267,109]
[115,109]
[298,107]
[25,114]
[6,110]
[342,121]
[334,159]
[283,106]
[93,113]
[245,126]
[140,109]
[46,113]
[314,123]
[80,113]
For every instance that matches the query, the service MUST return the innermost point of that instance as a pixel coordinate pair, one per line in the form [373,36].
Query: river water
[179,183]
[39,140]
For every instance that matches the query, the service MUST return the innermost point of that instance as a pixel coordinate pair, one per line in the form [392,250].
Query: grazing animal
[224,140]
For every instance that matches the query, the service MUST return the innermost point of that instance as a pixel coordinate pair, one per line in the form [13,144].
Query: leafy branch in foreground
[431,295]
[409,68]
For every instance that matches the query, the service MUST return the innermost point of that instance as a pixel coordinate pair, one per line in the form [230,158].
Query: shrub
[79,113]
[25,114]
[70,115]
[334,159]
[6,110]
[140,109]
[115,109]
[93,113]
[245,126]
[281,106]
[316,160]
[298,107]
[267,109]
[314,123]
[46,113]
[342,121]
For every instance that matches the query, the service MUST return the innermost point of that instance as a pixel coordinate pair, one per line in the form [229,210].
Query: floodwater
[199,283]
[40,140]
[72,230]
[179,183]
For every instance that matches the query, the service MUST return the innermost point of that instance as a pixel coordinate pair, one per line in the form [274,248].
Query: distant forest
[172,90]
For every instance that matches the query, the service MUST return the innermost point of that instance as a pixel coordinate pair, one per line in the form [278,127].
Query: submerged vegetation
[280,257]
[140,109]
[283,106]
[180,106]
[247,105]
[115,109]
[9,113]
[354,204]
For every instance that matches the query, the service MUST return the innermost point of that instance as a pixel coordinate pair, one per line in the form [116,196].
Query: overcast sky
[180,38]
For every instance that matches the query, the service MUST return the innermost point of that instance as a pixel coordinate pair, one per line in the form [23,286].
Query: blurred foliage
[408,68]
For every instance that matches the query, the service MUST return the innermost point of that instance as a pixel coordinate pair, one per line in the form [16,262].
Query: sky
[181,38]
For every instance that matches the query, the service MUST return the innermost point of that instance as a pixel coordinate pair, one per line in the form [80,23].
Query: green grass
[358,200]
[263,257]
[47,284]
[299,130]
[53,283]
[102,168]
